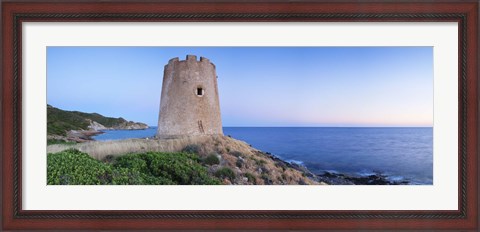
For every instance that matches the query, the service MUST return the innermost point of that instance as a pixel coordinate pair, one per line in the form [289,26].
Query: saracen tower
[189,104]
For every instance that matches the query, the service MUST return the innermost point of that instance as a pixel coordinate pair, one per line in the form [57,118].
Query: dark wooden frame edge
[15,13]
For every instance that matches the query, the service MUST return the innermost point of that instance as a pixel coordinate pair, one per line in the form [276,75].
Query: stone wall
[189,103]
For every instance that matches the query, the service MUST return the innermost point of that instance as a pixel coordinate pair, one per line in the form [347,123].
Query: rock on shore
[81,136]
[342,179]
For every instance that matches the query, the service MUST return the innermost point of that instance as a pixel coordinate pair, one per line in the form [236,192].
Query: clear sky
[258,86]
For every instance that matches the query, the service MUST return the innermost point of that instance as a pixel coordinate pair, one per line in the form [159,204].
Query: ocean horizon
[401,153]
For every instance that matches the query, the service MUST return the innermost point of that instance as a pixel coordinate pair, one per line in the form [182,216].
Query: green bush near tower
[72,167]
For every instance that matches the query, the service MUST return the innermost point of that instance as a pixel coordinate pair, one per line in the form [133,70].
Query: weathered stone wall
[183,111]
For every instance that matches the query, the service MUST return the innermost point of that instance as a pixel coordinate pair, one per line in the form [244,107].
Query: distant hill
[60,122]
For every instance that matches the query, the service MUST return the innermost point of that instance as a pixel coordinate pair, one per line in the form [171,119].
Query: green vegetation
[72,167]
[181,168]
[266,179]
[251,178]
[259,162]
[236,154]
[211,159]
[59,141]
[192,149]
[60,121]
[225,172]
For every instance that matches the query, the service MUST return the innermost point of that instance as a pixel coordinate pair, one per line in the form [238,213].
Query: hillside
[62,124]
[222,158]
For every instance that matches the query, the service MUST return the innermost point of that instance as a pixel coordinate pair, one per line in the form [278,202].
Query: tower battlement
[191,58]
[189,103]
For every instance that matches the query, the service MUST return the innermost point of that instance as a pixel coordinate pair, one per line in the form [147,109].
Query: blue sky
[258,86]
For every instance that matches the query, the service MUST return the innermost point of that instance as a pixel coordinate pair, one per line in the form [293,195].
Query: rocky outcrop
[82,135]
[343,179]
[130,125]
[96,126]
[125,125]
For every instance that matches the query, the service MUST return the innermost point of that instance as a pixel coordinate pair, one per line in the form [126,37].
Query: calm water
[400,153]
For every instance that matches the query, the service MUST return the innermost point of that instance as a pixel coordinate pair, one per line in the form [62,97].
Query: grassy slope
[60,121]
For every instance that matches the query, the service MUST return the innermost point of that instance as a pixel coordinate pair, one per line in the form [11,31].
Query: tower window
[200,91]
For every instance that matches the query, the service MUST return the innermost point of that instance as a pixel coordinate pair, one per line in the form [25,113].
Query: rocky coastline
[333,178]
[95,128]
[235,160]
[269,168]
[343,179]
[81,136]
[77,127]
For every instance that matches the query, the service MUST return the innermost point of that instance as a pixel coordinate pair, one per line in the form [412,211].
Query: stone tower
[189,102]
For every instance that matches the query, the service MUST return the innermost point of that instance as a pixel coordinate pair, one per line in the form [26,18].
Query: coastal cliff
[78,126]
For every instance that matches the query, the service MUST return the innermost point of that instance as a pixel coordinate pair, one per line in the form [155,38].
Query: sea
[401,153]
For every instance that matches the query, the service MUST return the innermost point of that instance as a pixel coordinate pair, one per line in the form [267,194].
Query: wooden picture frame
[465,13]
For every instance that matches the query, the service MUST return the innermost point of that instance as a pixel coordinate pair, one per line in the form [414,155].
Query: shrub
[260,162]
[211,159]
[266,179]
[180,168]
[76,168]
[239,163]
[225,172]
[251,178]
[132,161]
[282,165]
[192,149]
[236,153]
[109,159]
